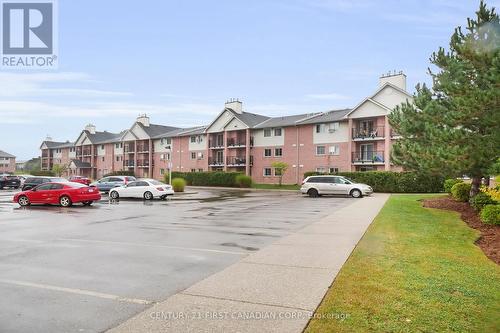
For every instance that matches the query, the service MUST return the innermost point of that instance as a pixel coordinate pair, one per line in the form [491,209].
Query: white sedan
[142,188]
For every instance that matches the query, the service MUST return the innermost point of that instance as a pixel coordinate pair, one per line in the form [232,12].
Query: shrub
[448,184]
[480,200]
[178,184]
[43,173]
[394,182]
[120,173]
[244,181]
[226,179]
[460,192]
[491,214]
[494,193]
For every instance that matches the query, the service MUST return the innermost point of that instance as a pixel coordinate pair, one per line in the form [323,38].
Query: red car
[64,194]
[79,179]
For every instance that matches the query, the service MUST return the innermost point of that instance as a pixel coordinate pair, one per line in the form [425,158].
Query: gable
[139,132]
[82,139]
[368,109]
[235,124]
[220,122]
[391,97]
[129,136]
[44,146]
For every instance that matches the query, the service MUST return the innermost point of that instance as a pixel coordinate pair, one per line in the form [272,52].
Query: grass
[276,187]
[415,270]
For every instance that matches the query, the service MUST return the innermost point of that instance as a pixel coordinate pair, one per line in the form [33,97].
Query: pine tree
[453,128]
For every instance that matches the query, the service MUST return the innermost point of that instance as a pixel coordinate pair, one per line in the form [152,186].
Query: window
[166,141]
[193,139]
[334,126]
[118,145]
[200,155]
[320,150]
[277,132]
[140,183]
[102,147]
[267,132]
[334,150]
[333,170]
[278,152]
[278,172]
[321,169]
[193,170]
[193,155]
[320,128]
[44,187]
[267,152]
[162,172]
[268,172]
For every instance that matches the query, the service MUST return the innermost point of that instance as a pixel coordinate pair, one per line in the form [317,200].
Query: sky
[179,61]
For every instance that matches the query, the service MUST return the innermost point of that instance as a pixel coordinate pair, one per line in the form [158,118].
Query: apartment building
[355,139]
[7,162]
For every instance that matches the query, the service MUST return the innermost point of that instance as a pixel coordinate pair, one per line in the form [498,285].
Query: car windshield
[75,185]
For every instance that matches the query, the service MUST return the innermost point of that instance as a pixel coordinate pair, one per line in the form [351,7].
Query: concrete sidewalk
[276,289]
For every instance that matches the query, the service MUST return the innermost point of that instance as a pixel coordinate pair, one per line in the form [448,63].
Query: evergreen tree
[454,127]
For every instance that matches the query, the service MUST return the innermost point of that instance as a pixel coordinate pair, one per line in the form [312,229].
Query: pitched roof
[181,132]
[285,120]
[154,130]
[326,117]
[5,154]
[249,119]
[103,137]
[56,144]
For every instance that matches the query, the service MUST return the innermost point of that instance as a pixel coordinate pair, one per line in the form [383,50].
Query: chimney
[143,119]
[235,105]
[90,128]
[48,138]
[397,79]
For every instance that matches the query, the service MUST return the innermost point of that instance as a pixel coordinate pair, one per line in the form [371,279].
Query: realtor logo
[28,32]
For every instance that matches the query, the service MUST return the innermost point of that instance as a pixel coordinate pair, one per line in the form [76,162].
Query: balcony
[236,142]
[87,152]
[236,161]
[215,144]
[374,133]
[368,157]
[128,164]
[215,161]
[143,163]
[143,148]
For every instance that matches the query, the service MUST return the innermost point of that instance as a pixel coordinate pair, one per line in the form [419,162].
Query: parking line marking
[153,245]
[76,291]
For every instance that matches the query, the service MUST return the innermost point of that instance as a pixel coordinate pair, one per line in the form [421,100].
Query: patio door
[220,157]
[366,126]
[367,152]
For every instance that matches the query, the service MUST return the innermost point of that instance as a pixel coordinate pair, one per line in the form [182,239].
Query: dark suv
[9,181]
[32,182]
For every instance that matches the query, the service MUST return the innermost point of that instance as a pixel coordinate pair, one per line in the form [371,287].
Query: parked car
[315,186]
[23,178]
[147,189]
[107,183]
[79,179]
[32,182]
[58,193]
[9,181]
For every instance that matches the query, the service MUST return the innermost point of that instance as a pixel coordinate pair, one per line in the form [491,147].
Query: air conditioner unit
[168,147]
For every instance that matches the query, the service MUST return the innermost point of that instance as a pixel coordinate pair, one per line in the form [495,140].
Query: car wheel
[65,201]
[356,193]
[148,195]
[114,195]
[23,201]
[313,193]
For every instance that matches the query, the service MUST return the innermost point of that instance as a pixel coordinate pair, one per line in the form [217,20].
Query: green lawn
[276,187]
[415,270]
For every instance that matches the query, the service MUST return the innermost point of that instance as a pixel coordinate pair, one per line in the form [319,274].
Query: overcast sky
[179,61]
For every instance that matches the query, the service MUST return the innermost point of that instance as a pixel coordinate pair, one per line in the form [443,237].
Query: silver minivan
[315,186]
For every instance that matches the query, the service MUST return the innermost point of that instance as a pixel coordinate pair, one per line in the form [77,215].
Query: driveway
[87,269]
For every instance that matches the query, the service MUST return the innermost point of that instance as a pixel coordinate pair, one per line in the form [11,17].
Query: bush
[225,179]
[43,173]
[244,181]
[494,193]
[394,182]
[491,214]
[448,184]
[120,173]
[461,191]
[480,200]
[178,184]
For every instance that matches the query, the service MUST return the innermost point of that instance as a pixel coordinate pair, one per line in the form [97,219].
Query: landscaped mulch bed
[489,241]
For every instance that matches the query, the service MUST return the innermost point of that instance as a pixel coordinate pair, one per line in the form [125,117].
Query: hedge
[120,173]
[461,192]
[394,182]
[491,214]
[225,179]
[448,184]
[43,173]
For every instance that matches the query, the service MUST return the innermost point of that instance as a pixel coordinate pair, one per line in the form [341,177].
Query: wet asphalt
[87,269]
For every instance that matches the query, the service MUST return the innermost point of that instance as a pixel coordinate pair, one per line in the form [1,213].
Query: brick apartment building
[357,139]
[7,162]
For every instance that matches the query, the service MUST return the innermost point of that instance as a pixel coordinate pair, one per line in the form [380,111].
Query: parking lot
[87,269]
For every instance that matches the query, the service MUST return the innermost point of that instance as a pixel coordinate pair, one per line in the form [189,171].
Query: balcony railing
[215,144]
[129,149]
[236,161]
[236,142]
[368,157]
[142,148]
[87,152]
[215,161]
[128,163]
[376,132]
[143,163]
